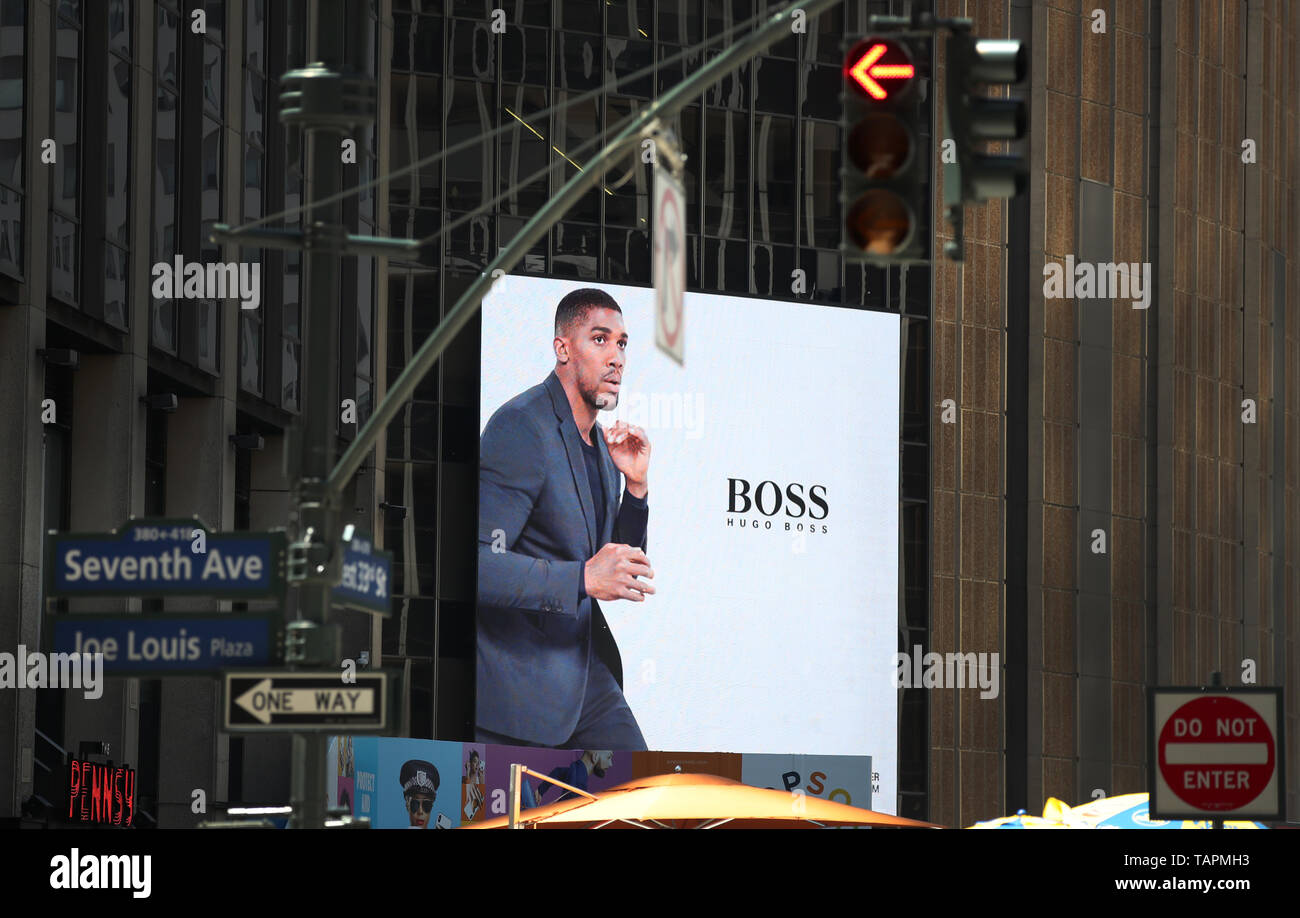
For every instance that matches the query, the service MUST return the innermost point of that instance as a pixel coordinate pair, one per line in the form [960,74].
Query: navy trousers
[606,721]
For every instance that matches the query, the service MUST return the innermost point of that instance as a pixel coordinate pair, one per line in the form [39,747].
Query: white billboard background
[756,640]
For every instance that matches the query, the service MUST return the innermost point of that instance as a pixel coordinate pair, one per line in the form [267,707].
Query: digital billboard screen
[687,556]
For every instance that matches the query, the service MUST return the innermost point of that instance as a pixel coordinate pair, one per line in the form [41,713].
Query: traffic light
[885,172]
[972,119]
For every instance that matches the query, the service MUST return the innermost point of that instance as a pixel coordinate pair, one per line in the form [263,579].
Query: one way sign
[295,701]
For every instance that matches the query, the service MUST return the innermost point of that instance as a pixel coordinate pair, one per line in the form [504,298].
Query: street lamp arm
[768,34]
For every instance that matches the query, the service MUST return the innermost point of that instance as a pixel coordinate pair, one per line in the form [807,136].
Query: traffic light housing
[972,118]
[885,171]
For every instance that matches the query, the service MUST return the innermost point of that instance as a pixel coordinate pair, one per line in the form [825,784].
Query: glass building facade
[763,219]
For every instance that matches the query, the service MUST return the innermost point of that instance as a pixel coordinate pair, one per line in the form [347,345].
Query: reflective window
[773,270]
[686,127]
[732,91]
[118,151]
[775,82]
[254,106]
[166,154]
[820,88]
[416,134]
[630,19]
[628,204]
[627,256]
[166,62]
[582,15]
[292,289]
[65,197]
[577,61]
[576,139]
[251,333]
[254,182]
[119,26]
[576,250]
[471,114]
[825,35]
[12,116]
[726,266]
[11,229]
[63,257]
[721,15]
[365,297]
[417,44]
[472,48]
[115,286]
[821,158]
[726,163]
[215,14]
[210,201]
[679,22]
[117,165]
[255,35]
[624,57]
[523,55]
[524,151]
[289,374]
[775,169]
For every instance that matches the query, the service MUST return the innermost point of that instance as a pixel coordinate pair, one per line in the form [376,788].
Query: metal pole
[516,777]
[766,35]
[312,643]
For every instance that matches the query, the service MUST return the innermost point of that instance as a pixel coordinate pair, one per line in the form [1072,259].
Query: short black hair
[573,308]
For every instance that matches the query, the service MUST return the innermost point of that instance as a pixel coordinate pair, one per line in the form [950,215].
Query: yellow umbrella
[696,801]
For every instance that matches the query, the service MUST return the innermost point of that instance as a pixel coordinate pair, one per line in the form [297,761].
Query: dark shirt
[633,512]
[592,457]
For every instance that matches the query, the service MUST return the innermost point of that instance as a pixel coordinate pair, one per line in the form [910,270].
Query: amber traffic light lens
[880,145]
[879,222]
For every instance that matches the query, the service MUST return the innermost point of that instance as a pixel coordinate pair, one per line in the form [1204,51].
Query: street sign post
[280,700]
[367,577]
[669,263]
[1216,753]
[150,646]
[164,557]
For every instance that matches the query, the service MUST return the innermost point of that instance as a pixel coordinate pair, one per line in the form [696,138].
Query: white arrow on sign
[264,700]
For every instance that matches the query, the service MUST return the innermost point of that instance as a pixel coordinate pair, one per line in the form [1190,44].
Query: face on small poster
[592,770]
[473,782]
[416,785]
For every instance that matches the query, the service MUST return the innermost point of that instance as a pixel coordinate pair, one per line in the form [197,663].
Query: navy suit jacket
[538,633]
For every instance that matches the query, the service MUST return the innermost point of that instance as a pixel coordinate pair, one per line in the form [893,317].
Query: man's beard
[598,771]
[601,401]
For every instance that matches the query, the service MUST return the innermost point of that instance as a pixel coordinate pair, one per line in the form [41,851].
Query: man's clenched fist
[613,573]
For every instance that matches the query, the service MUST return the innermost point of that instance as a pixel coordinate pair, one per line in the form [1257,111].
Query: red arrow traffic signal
[879,59]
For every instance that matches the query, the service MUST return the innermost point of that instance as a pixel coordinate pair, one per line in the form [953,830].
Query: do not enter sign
[1216,753]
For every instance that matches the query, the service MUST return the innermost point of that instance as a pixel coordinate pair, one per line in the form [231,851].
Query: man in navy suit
[555,539]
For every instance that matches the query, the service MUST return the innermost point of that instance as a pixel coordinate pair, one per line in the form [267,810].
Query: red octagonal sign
[1216,753]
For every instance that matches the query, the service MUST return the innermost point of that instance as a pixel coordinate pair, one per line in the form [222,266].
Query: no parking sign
[1217,753]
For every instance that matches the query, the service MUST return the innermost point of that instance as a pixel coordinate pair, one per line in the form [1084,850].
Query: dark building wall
[160,132]
[1133,424]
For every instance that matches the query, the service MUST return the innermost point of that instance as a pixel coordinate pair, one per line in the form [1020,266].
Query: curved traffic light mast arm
[777,27]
